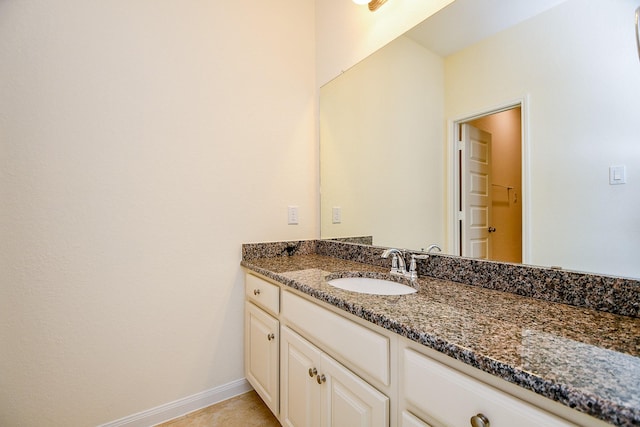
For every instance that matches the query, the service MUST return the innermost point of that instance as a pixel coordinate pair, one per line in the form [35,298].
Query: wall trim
[183,406]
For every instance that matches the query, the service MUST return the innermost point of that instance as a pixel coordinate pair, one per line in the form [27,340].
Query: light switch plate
[336,215]
[617,175]
[292,215]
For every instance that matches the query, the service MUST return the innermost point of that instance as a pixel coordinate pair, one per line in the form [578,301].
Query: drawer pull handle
[271,337]
[313,372]
[480,421]
[321,379]
[256,291]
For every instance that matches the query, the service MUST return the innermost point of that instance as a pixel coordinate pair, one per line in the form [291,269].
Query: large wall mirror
[563,78]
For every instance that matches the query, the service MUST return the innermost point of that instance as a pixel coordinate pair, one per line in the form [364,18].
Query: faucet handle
[413,268]
[394,262]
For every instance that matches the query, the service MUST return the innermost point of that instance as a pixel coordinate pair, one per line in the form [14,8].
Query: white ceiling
[465,22]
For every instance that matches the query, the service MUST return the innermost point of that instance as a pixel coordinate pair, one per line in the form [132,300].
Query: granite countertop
[586,359]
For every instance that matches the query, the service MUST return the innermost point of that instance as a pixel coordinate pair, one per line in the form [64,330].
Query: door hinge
[460,216]
[459,145]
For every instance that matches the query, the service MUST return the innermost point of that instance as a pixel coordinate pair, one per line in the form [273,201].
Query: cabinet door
[300,366]
[261,354]
[348,401]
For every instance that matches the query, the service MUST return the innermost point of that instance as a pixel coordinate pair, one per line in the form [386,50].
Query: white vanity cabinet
[317,391]
[446,397]
[316,366]
[262,340]
[300,381]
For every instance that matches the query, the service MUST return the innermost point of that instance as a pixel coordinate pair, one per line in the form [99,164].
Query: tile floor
[246,410]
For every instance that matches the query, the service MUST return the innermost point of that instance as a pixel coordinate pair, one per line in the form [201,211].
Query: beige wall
[382,154]
[346,33]
[571,215]
[140,144]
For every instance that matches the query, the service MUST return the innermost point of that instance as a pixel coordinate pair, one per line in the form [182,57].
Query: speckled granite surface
[362,240]
[603,293]
[586,359]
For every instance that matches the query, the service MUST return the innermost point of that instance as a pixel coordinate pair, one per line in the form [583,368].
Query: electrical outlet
[292,215]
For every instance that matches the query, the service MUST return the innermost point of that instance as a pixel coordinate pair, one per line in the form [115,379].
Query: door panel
[476,192]
[262,355]
[348,401]
[300,392]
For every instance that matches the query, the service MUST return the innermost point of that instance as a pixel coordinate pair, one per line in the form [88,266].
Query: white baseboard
[182,406]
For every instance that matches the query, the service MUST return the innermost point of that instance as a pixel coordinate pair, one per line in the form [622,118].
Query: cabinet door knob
[321,379]
[480,421]
[312,372]
[256,291]
[271,337]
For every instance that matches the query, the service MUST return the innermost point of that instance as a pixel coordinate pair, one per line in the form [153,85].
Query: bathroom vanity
[451,354]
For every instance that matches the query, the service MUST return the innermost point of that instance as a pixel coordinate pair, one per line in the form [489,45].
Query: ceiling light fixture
[373,4]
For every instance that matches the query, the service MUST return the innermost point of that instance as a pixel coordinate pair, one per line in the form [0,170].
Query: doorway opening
[489,187]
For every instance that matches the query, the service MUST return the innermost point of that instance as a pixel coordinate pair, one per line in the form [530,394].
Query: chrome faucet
[398,264]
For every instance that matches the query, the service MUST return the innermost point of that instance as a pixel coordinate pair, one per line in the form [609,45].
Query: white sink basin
[368,285]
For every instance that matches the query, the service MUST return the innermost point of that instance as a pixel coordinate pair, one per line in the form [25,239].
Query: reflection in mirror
[389,164]
[489,187]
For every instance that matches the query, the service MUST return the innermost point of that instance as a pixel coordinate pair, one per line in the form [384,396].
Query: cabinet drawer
[409,420]
[452,398]
[263,293]
[344,339]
